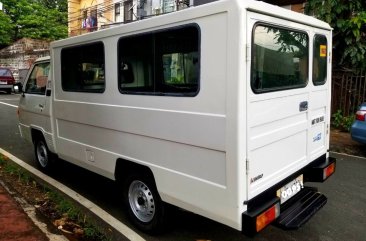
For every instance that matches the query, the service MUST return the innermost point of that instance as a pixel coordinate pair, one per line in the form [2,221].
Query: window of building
[279,59]
[93,20]
[160,63]
[82,68]
[37,81]
[128,11]
[320,56]
[117,12]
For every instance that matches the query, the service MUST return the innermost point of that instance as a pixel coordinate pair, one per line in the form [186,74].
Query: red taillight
[361,115]
[328,171]
[11,81]
[267,217]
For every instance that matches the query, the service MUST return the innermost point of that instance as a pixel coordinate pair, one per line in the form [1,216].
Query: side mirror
[22,91]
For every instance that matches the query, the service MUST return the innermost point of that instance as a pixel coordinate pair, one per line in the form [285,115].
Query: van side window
[82,68]
[37,80]
[320,60]
[165,62]
[279,59]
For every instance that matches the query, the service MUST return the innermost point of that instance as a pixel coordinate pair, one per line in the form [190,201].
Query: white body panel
[196,147]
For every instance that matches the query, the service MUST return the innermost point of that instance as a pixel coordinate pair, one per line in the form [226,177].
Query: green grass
[62,205]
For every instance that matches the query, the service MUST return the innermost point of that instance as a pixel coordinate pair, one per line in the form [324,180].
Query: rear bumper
[317,171]
[6,86]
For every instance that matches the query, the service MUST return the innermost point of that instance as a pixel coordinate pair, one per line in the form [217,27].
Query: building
[90,15]
[294,5]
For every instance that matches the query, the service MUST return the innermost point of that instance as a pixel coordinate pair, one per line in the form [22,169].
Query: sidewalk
[15,225]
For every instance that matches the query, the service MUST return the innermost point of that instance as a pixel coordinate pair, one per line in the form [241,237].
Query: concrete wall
[22,54]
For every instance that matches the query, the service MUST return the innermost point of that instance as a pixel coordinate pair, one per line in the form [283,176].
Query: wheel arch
[36,133]
[124,167]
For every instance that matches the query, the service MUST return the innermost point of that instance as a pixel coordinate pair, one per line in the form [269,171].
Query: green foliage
[2,160]
[38,19]
[342,122]
[348,19]
[6,29]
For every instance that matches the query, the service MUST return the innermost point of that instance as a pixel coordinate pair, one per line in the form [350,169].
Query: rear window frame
[283,88]
[320,83]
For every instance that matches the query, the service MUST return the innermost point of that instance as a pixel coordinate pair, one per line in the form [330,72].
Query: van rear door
[288,99]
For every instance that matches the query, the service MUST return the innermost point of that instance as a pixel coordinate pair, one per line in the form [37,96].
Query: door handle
[303,106]
[41,106]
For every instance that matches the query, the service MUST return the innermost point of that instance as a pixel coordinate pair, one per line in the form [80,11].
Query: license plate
[3,82]
[290,189]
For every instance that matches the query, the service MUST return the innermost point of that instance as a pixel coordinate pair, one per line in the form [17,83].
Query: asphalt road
[343,218]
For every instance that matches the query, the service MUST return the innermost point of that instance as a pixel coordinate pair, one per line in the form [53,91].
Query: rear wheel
[43,156]
[145,208]
[8,91]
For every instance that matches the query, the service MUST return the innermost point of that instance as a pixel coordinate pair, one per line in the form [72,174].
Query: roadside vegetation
[62,213]
[37,19]
[348,20]
[341,121]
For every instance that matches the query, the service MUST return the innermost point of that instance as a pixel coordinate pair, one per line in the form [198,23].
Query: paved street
[342,218]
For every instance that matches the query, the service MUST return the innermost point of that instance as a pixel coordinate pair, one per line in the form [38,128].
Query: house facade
[90,15]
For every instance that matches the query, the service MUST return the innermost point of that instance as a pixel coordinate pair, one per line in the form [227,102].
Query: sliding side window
[279,59]
[82,68]
[160,63]
[320,60]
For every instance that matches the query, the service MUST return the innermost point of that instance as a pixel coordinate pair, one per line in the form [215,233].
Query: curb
[343,155]
[121,228]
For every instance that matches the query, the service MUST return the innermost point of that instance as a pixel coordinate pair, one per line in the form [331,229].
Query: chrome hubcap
[141,201]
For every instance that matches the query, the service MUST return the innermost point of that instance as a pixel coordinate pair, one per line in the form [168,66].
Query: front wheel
[43,155]
[145,208]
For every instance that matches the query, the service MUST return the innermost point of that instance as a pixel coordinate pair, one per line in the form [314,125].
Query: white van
[221,109]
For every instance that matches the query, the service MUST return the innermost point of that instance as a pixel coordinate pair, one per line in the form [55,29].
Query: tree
[42,23]
[39,19]
[348,20]
[6,29]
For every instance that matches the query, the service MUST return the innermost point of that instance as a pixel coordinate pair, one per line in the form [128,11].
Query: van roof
[194,12]
[280,12]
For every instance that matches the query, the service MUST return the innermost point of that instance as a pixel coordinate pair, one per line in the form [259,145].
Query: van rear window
[320,60]
[279,59]
[82,68]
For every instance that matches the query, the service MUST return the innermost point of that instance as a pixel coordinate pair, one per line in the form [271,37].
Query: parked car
[6,80]
[358,129]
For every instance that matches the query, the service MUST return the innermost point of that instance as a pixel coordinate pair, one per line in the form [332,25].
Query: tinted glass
[82,68]
[279,59]
[320,60]
[160,63]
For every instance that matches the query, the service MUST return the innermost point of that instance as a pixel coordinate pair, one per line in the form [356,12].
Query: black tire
[145,208]
[8,91]
[43,155]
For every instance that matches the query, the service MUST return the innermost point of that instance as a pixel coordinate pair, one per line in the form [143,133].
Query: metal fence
[348,91]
